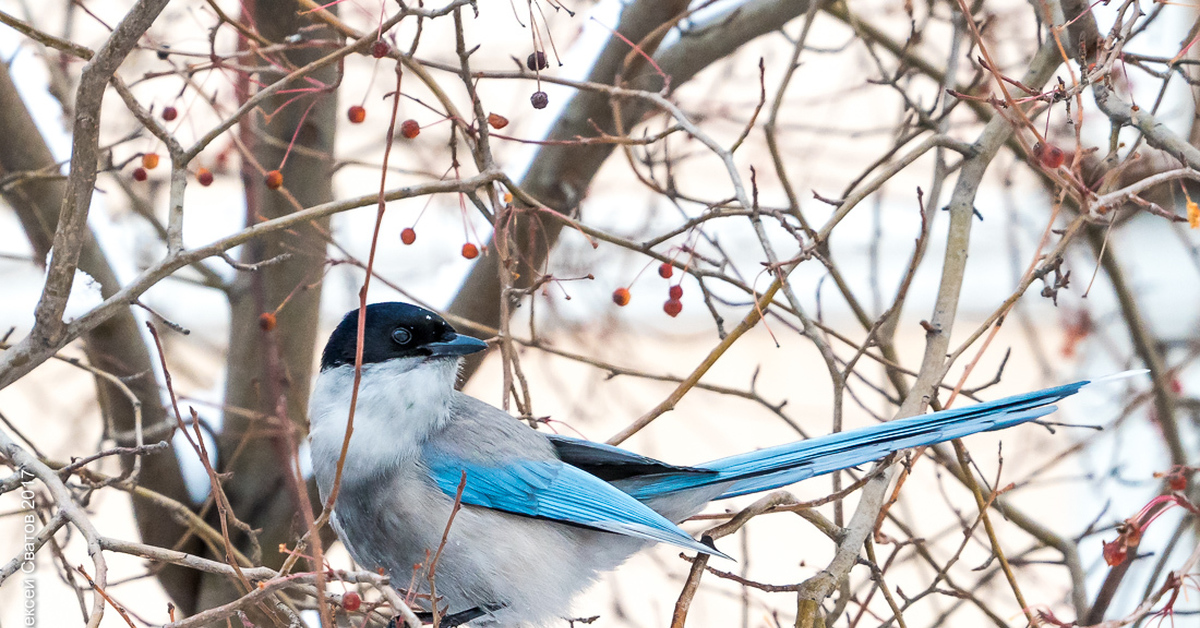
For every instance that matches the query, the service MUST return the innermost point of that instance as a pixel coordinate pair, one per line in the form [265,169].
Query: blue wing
[774,467]
[550,489]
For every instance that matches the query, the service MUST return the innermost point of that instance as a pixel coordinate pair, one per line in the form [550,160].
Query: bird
[537,516]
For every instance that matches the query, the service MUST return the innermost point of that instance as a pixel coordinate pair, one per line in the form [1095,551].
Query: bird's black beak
[459,345]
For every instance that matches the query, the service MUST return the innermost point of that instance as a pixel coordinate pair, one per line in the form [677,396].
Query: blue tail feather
[778,466]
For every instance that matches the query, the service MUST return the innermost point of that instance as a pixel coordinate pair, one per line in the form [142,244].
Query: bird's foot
[453,619]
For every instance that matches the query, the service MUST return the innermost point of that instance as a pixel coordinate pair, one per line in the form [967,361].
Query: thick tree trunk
[116,346]
[269,371]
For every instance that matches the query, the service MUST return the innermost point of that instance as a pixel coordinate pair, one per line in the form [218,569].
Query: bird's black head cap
[396,330]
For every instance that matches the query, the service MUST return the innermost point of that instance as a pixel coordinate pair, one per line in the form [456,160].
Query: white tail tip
[1107,379]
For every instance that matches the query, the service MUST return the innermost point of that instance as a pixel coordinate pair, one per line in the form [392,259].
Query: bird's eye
[402,335]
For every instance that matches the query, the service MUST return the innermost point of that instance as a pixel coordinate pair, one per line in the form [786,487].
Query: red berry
[266,321]
[351,601]
[1051,156]
[673,307]
[621,296]
[536,61]
[356,114]
[470,251]
[497,121]
[410,129]
[274,179]
[139,174]
[408,236]
[675,292]
[169,113]
[380,49]
[1054,157]
[666,270]
[539,100]
[150,161]
[204,176]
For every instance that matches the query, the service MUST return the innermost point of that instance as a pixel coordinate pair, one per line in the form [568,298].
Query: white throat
[400,402]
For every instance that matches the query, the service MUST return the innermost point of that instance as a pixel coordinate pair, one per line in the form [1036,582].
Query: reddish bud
[356,114]
[665,270]
[351,601]
[497,121]
[536,61]
[139,174]
[410,129]
[673,307]
[539,100]
[1115,552]
[204,176]
[380,49]
[150,161]
[675,292]
[470,251]
[1133,533]
[274,179]
[408,236]
[621,296]
[266,321]
[169,113]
